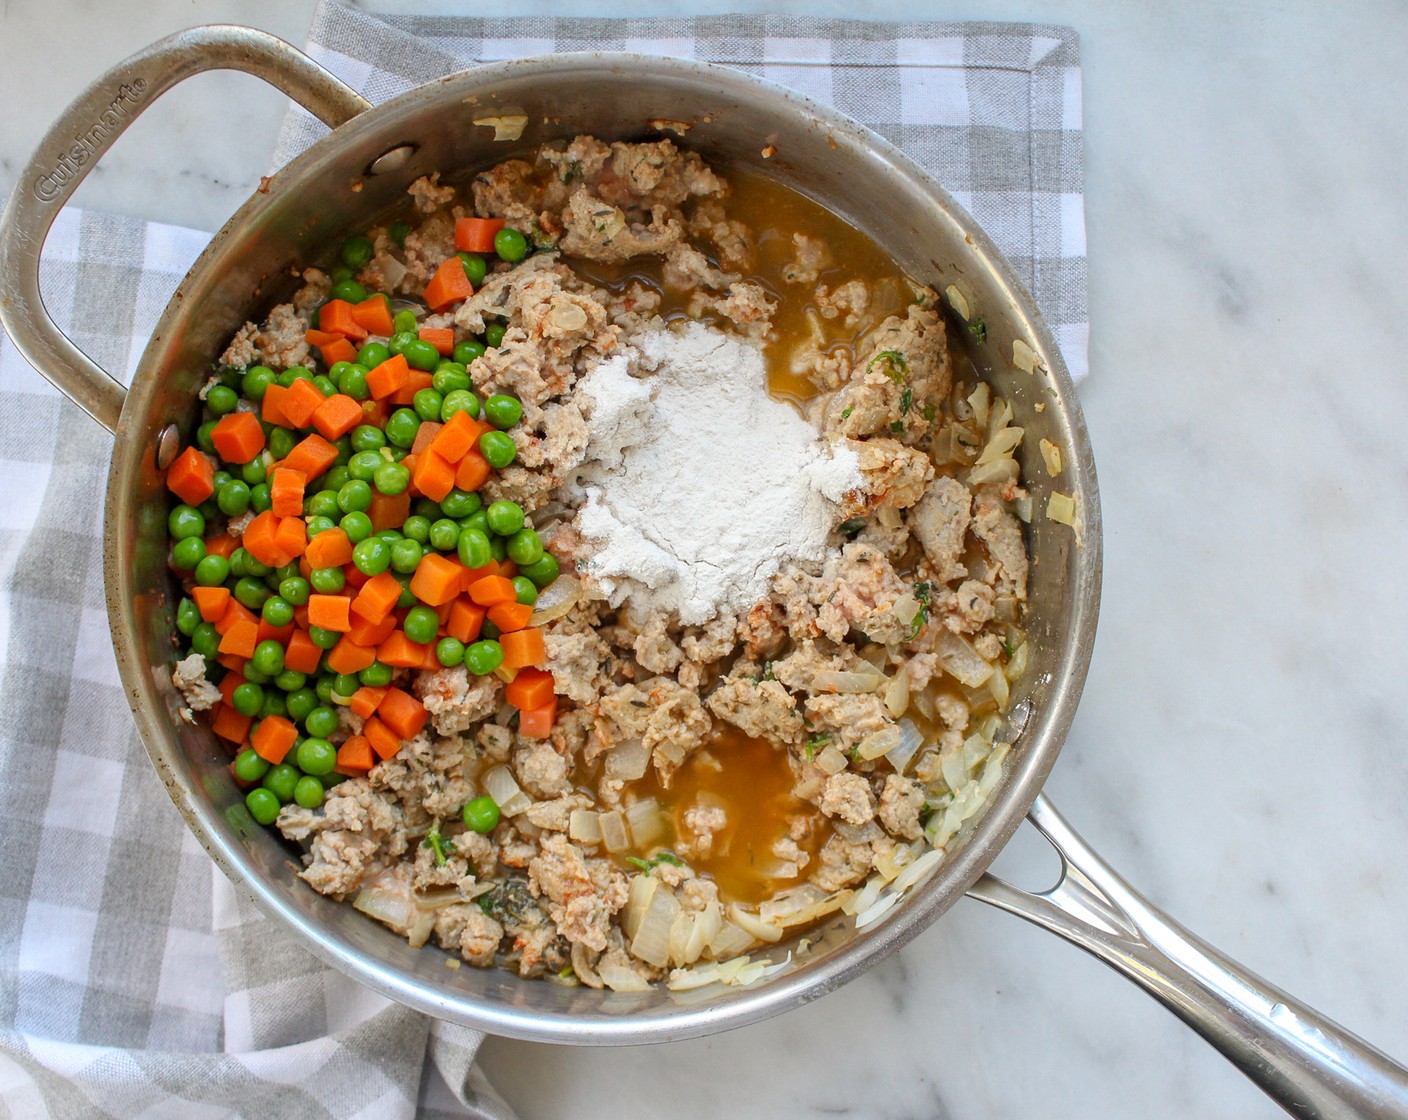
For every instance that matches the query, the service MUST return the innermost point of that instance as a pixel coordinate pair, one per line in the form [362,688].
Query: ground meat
[189,679]
[939,521]
[848,797]
[971,609]
[730,238]
[859,592]
[998,528]
[654,649]
[813,256]
[455,700]
[583,894]
[894,475]
[762,709]
[901,802]
[358,827]
[669,720]
[850,717]
[540,769]
[579,664]
[701,822]
[841,863]
[597,231]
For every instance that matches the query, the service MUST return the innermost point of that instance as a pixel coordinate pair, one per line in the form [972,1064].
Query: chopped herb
[897,369]
[851,526]
[564,972]
[906,401]
[647,865]
[923,592]
[816,743]
[978,328]
[486,903]
[573,169]
[897,427]
[440,845]
[1009,649]
[768,674]
[929,413]
[845,412]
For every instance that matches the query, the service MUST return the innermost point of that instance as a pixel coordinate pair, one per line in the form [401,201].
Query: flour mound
[697,485]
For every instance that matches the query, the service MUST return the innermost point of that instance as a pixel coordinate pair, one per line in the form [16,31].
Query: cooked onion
[652,940]
[910,742]
[875,910]
[1001,445]
[681,930]
[627,760]
[642,890]
[584,826]
[878,742]
[864,678]
[647,823]
[917,870]
[905,608]
[419,933]
[998,686]
[958,301]
[707,923]
[1051,456]
[897,693]
[831,760]
[1061,508]
[752,924]
[559,597]
[962,662]
[499,783]
[728,941]
[613,832]
[506,126]
[619,978]
[996,471]
[1024,357]
[391,907]
[1017,664]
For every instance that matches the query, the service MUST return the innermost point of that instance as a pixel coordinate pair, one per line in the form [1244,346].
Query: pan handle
[78,139]
[1309,1065]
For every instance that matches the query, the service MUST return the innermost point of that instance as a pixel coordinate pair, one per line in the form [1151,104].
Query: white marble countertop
[1240,748]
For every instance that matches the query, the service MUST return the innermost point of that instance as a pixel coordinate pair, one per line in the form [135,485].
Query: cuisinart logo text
[88,143]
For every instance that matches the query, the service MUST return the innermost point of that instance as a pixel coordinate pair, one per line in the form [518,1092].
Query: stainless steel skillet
[1308,1064]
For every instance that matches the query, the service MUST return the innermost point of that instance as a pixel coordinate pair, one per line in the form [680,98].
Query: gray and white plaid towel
[134,980]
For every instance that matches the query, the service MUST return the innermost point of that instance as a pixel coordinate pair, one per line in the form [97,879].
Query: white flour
[698,485]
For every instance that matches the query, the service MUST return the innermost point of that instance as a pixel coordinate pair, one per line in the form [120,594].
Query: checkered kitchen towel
[134,980]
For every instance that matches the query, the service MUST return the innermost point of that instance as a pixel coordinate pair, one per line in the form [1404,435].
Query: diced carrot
[442,338]
[312,455]
[523,648]
[365,700]
[536,723]
[425,436]
[374,314]
[292,538]
[354,757]
[302,656]
[238,437]
[355,577]
[382,739]
[531,688]
[474,575]
[320,338]
[473,471]
[508,569]
[229,724]
[377,597]
[191,477]
[221,545]
[286,491]
[273,738]
[329,549]
[240,639]
[337,317]
[389,376]
[348,657]
[280,634]
[300,614]
[402,712]
[442,612]
[228,684]
[272,408]
[510,616]
[337,415]
[260,539]
[236,611]
[449,285]
[339,351]
[389,511]
[432,476]
[375,413]
[212,601]
[458,435]
[476,235]
[489,591]
[371,634]
[330,612]
[400,652]
[231,662]
[405,396]
[465,621]
[303,400]
[438,580]
[429,660]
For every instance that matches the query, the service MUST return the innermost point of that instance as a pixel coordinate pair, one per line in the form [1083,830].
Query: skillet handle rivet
[393,159]
[167,445]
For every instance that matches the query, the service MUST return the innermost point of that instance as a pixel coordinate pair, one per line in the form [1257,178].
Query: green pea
[510,245]
[205,640]
[475,267]
[326,385]
[407,597]
[505,518]
[401,428]
[489,630]
[212,571]
[290,680]
[392,479]
[280,781]
[498,448]
[281,442]
[186,554]
[525,547]
[356,495]
[249,767]
[268,657]
[345,684]
[185,521]
[479,519]
[405,322]
[252,567]
[426,404]
[354,383]
[526,590]
[260,498]
[208,509]
[483,657]
[398,232]
[371,556]
[467,351]
[363,464]
[494,334]
[221,399]
[256,379]
[357,526]
[499,547]
[349,290]
[321,722]
[337,371]
[232,498]
[449,652]
[274,704]
[317,524]
[204,438]
[277,610]
[391,536]
[421,355]
[366,437]
[459,400]
[327,581]
[356,252]
[474,550]
[322,504]
[376,675]
[416,528]
[300,702]
[444,534]
[427,508]
[295,589]
[336,478]
[308,792]
[503,411]
[263,805]
[406,556]
[449,377]
[482,814]
[247,699]
[254,676]
[398,342]
[295,373]
[219,479]
[187,617]
[421,624]
[460,503]
[280,574]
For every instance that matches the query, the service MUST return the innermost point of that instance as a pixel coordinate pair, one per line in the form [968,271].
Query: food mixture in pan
[606,572]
